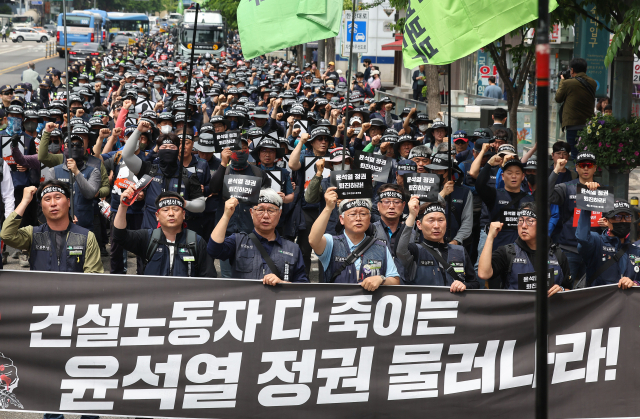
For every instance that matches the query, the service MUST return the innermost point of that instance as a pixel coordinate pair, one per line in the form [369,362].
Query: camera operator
[578,94]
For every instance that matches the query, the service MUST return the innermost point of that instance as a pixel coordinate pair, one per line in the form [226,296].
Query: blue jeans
[577,267]
[571,135]
[225,269]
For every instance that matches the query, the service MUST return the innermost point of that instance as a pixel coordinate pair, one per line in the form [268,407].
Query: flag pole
[450,164]
[66,66]
[346,115]
[542,208]
[186,112]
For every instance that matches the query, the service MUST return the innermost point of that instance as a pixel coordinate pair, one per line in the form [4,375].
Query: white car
[360,37]
[28,34]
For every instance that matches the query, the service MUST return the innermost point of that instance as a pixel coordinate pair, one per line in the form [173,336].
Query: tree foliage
[228,8]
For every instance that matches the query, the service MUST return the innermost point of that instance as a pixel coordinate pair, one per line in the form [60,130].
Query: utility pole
[354,56]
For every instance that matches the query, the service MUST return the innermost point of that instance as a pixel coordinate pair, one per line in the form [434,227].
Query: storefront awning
[394,46]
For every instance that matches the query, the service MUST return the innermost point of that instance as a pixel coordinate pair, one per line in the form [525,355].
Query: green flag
[269,25]
[180,8]
[441,31]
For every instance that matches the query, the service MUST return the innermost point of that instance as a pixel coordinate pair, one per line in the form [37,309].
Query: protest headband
[433,208]
[170,202]
[355,203]
[50,189]
[266,200]
[391,194]
[166,141]
[526,213]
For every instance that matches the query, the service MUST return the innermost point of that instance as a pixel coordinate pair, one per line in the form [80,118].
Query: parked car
[82,50]
[122,41]
[51,28]
[28,34]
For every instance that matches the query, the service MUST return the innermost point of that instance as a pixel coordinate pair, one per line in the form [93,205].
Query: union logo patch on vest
[426,263]
[519,260]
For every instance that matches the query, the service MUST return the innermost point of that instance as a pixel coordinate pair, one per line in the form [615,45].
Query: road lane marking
[6,70]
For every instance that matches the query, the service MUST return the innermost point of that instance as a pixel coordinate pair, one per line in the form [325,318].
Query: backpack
[155,240]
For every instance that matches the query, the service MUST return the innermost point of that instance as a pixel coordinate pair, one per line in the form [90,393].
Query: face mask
[621,230]
[3,126]
[531,179]
[239,159]
[140,84]
[423,128]
[233,125]
[30,126]
[168,158]
[166,129]
[76,153]
[54,148]
[157,86]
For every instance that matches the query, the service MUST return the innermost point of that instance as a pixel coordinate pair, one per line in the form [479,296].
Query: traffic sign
[360,32]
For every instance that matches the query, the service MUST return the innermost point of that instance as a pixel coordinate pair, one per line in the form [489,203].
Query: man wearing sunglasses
[282,259]
[511,266]
[609,256]
[564,195]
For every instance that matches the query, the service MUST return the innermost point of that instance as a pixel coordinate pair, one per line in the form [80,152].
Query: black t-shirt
[335,73]
[500,265]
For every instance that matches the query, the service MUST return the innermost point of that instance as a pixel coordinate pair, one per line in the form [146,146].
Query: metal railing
[50,49]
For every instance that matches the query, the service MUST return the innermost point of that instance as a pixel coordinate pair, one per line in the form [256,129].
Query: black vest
[44,255]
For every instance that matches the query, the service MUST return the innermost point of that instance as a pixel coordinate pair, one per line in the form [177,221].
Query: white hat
[339,71]
[375,72]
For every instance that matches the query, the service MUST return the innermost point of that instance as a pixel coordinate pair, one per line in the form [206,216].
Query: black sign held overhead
[600,200]
[527,282]
[426,186]
[244,188]
[352,184]
[509,219]
[379,165]
[228,139]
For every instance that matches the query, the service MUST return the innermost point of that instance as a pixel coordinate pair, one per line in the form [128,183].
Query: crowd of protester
[148,179]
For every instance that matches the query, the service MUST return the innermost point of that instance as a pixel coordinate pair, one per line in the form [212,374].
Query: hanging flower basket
[615,142]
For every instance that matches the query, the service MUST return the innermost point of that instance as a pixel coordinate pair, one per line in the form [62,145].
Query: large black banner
[198,348]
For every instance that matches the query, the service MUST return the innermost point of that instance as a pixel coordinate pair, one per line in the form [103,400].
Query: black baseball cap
[561,146]
[513,162]
[586,156]
[620,206]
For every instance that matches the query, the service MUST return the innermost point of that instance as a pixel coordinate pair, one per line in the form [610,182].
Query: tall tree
[433,90]
[521,56]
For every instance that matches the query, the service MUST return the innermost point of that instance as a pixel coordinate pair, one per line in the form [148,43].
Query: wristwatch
[384,278]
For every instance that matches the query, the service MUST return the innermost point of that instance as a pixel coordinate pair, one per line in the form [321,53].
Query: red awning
[394,46]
